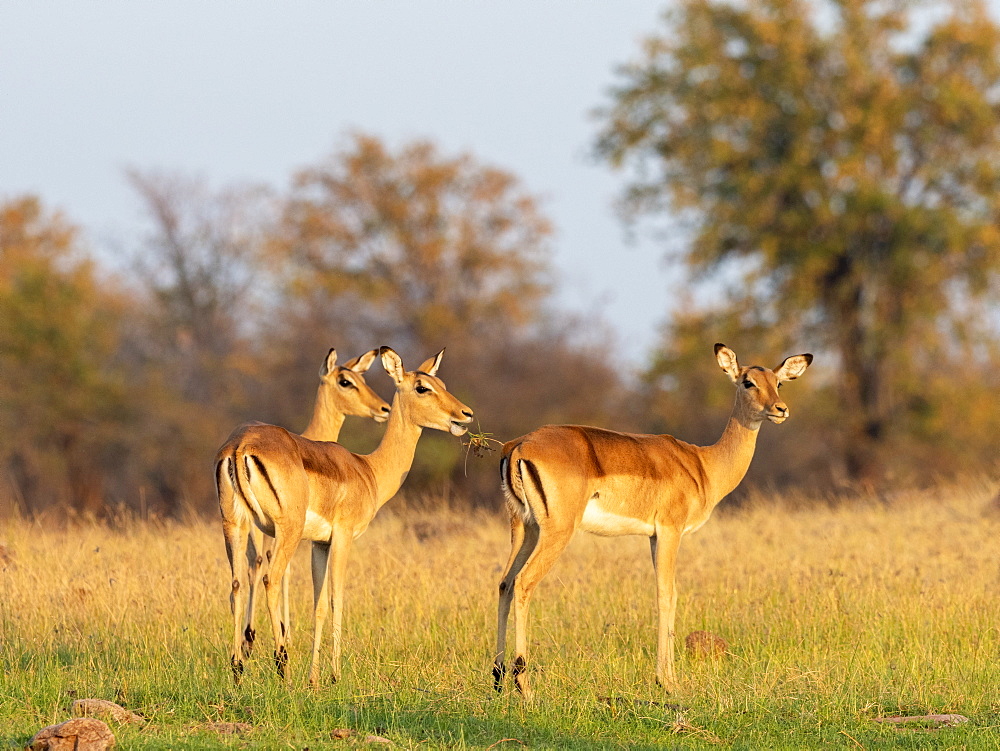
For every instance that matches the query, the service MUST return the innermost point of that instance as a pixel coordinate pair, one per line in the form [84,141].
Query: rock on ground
[702,644]
[80,734]
[104,710]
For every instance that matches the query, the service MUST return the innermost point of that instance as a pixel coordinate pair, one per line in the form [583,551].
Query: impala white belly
[603,522]
[317,528]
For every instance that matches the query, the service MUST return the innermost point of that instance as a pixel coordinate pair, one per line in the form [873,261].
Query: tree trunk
[862,382]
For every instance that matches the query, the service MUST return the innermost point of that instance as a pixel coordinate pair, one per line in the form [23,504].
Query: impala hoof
[499,672]
[237,668]
[281,661]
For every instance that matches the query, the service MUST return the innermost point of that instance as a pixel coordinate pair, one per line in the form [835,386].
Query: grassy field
[834,617]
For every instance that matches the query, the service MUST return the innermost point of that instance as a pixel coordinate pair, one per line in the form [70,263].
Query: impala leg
[321,603]
[522,543]
[257,546]
[664,547]
[237,538]
[285,542]
[338,580]
[549,545]
[286,613]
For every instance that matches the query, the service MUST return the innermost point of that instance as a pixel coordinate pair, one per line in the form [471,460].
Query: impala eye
[345,384]
[748,384]
[421,389]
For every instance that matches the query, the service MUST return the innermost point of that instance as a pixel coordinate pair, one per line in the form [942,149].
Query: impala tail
[513,470]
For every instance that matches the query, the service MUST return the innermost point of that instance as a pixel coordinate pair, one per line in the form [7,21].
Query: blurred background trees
[233,298]
[423,250]
[837,176]
[826,172]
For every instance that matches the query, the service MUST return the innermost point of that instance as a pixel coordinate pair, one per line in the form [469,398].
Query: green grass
[833,616]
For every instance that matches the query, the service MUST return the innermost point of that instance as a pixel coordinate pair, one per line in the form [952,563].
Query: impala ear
[793,367]
[329,364]
[727,361]
[430,366]
[392,364]
[361,363]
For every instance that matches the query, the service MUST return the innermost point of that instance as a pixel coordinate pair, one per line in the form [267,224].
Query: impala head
[422,396]
[345,386]
[757,387]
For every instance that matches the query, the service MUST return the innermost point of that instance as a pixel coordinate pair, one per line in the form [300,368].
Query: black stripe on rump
[260,468]
[537,480]
[218,476]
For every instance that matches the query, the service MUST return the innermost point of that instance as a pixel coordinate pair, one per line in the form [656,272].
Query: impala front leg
[321,603]
[664,546]
[338,579]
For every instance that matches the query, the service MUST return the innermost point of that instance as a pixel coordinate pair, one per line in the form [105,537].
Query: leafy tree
[844,167]
[196,342]
[62,403]
[421,250]
[415,246]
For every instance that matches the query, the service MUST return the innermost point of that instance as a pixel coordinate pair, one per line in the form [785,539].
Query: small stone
[80,734]
[104,710]
[702,644]
[341,733]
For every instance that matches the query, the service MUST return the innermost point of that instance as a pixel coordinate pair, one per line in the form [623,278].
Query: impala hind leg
[238,550]
[522,543]
[285,543]
[265,548]
[257,547]
[549,544]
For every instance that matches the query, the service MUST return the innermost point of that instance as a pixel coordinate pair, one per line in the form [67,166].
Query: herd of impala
[277,488]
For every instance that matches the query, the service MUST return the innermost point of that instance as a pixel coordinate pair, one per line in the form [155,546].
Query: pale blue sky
[252,91]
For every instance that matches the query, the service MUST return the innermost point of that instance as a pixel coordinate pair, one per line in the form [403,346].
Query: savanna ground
[834,616]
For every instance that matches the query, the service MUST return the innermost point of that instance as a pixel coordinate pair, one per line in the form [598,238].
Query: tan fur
[561,478]
[294,488]
[342,392]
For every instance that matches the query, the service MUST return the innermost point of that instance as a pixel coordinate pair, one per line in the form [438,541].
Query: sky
[250,92]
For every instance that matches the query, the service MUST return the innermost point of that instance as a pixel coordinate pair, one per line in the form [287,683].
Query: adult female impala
[342,392]
[293,489]
[561,478]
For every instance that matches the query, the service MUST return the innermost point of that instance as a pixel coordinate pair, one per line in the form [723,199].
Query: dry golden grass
[833,616]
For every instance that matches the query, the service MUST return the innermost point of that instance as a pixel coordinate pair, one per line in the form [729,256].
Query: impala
[342,392]
[561,478]
[293,488]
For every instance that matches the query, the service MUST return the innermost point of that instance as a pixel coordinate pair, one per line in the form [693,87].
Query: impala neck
[728,459]
[326,420]
[391,461]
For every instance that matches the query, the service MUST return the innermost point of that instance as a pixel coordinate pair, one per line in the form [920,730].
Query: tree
[62,402]
[414,245]
[421,250]
[200,266]
[846,171]
[195,342]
